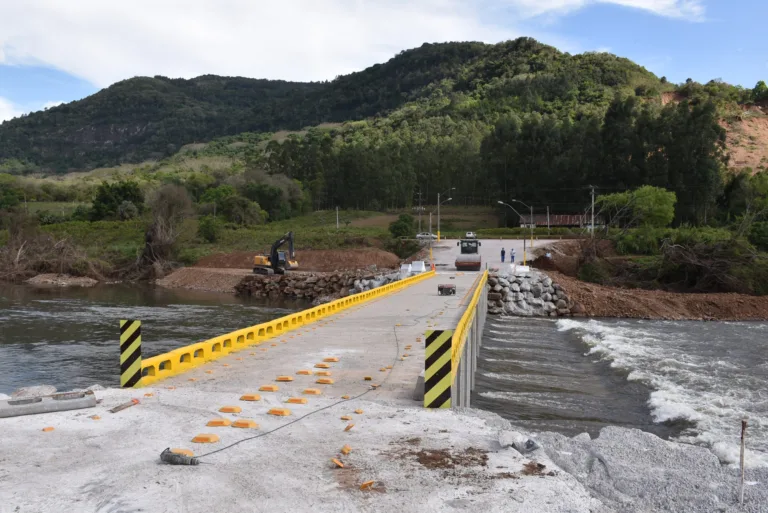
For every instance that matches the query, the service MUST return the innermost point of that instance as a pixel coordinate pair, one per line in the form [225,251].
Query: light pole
[438,224]
[518,213]
[523,204]
[438,210]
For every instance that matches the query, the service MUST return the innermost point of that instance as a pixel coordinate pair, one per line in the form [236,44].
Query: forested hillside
[517,119]
[146,117]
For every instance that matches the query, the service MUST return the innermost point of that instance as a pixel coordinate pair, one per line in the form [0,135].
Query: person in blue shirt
[502,255]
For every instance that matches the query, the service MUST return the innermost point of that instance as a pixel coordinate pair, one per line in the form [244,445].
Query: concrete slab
[419,460]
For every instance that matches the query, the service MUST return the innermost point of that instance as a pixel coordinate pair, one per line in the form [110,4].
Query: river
[69,337]
[688,381]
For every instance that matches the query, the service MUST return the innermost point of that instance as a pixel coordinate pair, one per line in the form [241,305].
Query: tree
[109,197]
[403,227]
[217,194]
[170,206]
[208,228]
[240,210]
[127,210]
[760,92]
[645,206]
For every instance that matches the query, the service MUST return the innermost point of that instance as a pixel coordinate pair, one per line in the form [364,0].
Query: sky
[53,51]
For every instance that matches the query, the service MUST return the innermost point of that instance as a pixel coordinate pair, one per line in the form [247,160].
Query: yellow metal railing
[462,328]
[186,358]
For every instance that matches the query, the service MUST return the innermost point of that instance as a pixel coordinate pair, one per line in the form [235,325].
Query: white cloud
[105,41]
[684,9]
[8,110]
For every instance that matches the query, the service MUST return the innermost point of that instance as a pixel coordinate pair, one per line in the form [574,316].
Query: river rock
[497,288]
[549,307]
[503,282]
[33,391]
[514,287]
[546,297]
[525,286]
[494,296]
[536,290]
[547,282]
[561,304]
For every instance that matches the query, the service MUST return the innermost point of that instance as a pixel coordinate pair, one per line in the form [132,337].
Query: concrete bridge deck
[419,460]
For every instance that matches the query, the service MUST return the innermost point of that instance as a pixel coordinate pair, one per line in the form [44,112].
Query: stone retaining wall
[318,287]
[532,294]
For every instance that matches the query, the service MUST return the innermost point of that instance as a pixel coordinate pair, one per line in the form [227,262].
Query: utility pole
[419,211]
[593,210]
[548,232]
[438,216]
[337,217]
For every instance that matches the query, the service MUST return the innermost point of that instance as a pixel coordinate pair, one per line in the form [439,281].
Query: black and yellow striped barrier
[130,353]
[438,369]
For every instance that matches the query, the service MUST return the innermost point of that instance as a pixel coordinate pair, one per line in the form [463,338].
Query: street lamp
[438,224]
[518,213]
[523,204]
[438,210]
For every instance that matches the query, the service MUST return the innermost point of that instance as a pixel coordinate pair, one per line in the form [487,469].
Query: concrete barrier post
[130,353]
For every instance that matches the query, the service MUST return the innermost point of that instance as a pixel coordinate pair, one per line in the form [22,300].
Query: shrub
[208,229]
[109,197]
[127,210]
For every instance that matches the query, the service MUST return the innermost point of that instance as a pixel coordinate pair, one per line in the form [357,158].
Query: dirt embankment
[600,301]
[591,300]
[222,272]
[316,260]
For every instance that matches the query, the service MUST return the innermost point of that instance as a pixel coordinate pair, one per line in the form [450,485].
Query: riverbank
[601,301]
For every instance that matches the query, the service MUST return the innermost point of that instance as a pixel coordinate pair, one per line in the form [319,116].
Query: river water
[69,338]
[689,381]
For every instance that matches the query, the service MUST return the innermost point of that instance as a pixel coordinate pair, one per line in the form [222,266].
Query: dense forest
[517,119]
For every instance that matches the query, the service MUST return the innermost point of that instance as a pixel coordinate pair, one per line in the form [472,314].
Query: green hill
[151,118]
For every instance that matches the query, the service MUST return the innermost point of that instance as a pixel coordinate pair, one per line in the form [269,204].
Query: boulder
[525,286]
[536,289]
[497,288]
[514,287]
[546,297]
[547,282]
[561,304]
[494,296]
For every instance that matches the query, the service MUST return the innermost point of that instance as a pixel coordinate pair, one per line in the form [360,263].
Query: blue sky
[52,51]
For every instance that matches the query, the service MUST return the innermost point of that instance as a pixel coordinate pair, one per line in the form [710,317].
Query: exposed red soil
[600,301]
[317,260]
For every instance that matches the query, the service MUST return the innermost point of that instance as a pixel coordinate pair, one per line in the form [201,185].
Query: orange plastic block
[269,388]
[219,423]
[406,355]
[402,359]
[346,450]
[383,369]
[312,391]
[323,373]
[148,394]
[304,372]
[324,381]
[205,438]
[359,412]
[252,354]
[183,452]
[345,397]
[280,412]
[192,379]
[337,463]
[331,359]
[95,417]
[274,345]
[349,426]
[209,372]
[368,378]
[250,397]
[225,365]
[367,485]
[375,386]
[284,378]
[230,409]
[388,366]
[322,366]
[47,429]
[297,400]
[239,359]
[408,346]
[346,417]
[263,349]
[245,424]
[170,388]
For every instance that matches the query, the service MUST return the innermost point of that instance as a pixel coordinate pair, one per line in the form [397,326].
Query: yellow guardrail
[462,328]
[181,360]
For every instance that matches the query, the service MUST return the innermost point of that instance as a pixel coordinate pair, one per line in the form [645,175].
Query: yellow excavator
[277,262]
